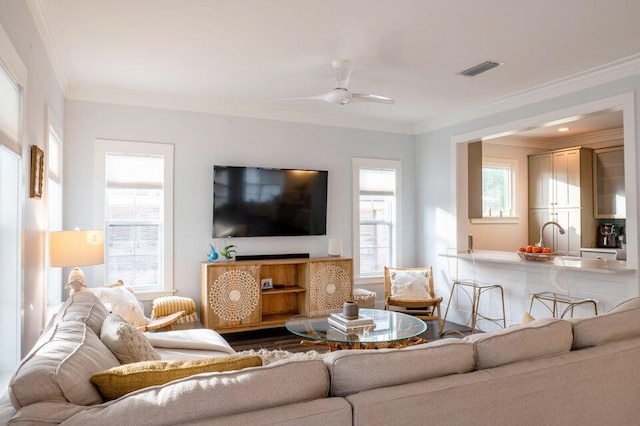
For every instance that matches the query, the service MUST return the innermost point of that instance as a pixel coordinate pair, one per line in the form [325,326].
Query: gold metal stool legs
[553,302]
[474,294]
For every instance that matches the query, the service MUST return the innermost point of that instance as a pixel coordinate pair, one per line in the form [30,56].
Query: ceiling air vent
[480,68]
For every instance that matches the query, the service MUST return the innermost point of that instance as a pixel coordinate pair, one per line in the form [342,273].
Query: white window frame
[12,315]
[511,165]
[54,289]
[104,146]
[374,163]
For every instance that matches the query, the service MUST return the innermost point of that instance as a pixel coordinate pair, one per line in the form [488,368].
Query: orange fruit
[536,249]
[529,249]
[522,249]
[546,250]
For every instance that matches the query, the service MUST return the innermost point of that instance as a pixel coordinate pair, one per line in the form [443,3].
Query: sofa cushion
[544,337]
[212,395]
[59,367]
[355,371]
[622,322]
[119,381]
[125,341]
[123,302]
[83,306]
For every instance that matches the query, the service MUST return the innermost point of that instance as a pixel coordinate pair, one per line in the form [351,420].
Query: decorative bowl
[537,257]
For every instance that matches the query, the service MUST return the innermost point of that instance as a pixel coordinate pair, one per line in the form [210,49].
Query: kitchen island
[608,281]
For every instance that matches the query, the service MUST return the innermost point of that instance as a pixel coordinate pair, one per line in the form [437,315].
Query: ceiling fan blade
[359,97]
[343,72]
[336,96]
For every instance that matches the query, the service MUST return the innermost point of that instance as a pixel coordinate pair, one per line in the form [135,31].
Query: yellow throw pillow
[118,381]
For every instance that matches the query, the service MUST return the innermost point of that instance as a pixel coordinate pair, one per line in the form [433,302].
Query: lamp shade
[76,248]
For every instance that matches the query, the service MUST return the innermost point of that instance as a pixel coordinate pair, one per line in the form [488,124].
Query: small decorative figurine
[213,255]
[226,252]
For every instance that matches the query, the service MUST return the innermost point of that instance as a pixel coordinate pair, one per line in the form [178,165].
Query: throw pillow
[410,284]
[126,342]
[123,302]
[118,381]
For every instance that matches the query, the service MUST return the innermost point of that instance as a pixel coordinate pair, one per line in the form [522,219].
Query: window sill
[495,220]
[373,279]
[144,296]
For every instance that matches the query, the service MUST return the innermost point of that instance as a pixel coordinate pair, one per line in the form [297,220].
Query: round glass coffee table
[391,330]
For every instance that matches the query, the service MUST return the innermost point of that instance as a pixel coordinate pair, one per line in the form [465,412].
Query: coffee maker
[608,235]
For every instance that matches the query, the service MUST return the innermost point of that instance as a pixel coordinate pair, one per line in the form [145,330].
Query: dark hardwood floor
[280,338]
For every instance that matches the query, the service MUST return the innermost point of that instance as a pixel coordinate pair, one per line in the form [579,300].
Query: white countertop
[570,262]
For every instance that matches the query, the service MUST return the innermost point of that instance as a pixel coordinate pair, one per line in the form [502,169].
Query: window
[54,202]
[10,110]
[137,182]
[377,193]
[498,188]
[13,78]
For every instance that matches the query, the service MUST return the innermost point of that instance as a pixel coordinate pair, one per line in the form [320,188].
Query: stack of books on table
[342,323]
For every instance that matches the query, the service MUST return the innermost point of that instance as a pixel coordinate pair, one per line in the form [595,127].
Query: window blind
[9,110]
[134,171]
[377,182]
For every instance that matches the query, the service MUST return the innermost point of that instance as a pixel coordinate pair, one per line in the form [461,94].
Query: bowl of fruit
[536,254]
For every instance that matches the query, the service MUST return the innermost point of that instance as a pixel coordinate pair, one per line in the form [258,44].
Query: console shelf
[232,298]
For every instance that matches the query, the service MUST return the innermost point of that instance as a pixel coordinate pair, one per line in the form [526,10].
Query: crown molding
[185,103]
[56,47]
[612,71]
[54,43]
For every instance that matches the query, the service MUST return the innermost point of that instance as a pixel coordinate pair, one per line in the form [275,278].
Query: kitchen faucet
[544,225]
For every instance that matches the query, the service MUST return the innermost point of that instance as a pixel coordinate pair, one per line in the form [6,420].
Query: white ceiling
[236,57]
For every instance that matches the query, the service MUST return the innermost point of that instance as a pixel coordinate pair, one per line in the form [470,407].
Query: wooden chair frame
[425,309]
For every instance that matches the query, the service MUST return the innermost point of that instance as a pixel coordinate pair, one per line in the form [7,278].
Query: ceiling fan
[340,95]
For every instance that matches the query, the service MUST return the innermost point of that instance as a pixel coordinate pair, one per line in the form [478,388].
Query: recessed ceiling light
[563,129]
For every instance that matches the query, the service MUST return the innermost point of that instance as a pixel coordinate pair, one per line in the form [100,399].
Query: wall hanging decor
[37,172]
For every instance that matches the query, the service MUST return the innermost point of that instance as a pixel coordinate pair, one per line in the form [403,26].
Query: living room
[207,134]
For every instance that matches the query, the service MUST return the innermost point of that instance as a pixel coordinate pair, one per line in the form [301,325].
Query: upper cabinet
[560,190]
[608,189]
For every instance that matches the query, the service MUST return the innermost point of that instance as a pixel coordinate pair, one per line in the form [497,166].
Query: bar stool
[557,293]
[474,290]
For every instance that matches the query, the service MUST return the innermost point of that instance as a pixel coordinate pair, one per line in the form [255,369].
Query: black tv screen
[265,202]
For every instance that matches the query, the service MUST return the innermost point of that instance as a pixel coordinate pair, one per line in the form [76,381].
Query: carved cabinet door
[233,296]
[330,284]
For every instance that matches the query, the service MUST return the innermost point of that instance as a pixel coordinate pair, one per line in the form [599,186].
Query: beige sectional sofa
[582,371]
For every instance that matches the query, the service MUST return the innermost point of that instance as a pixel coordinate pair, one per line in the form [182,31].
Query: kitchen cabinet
[560,190]
[608,190]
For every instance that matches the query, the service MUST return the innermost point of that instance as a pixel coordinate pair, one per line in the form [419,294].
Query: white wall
[42,90]
[437,189]
[202,140]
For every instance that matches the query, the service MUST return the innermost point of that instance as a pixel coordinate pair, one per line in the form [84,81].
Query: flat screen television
[267,202]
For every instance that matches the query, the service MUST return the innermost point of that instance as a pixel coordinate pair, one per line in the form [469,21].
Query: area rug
[276,355]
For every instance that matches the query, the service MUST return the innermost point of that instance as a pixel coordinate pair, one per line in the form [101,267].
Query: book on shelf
[350,328]
[361,320]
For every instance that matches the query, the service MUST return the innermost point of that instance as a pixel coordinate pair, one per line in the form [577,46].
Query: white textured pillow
[126,342]
[410,284]
[123,302]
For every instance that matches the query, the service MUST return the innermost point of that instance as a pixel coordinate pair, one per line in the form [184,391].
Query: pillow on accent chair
[123,302]
[409,284]
[126,342]
[118,381]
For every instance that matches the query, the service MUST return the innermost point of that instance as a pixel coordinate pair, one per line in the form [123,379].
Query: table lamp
[76,248]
